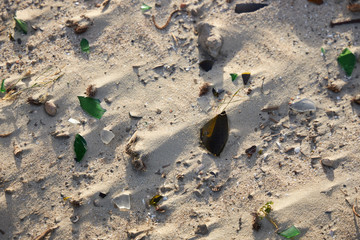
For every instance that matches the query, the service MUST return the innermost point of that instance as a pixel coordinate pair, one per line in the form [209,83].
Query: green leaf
[2,86]
[233,76]
[91,106]
[84,44]
[347,61]
[80,147]
[155,200]
[290,232]
[21,25]
[145,7]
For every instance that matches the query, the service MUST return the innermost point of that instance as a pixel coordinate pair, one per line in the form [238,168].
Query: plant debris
[46,232]
[332,23]
[204,89]
[167,22]
[353,7]
[91,91]
[318,2]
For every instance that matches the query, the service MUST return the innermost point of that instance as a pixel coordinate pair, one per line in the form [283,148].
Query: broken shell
[74,219]
[50,108]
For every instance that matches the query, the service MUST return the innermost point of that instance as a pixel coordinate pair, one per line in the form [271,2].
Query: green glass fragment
[92,106]
[84,44]
[290,232]
[233,76]
[323,52]
[21,25]
[2,86]
[145,7]
[80,147]
[347,61]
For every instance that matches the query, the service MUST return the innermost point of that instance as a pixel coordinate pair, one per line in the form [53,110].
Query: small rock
[57,220]
[336,86]
[50,108]
[134,114]
[202,229]
[356,99]
[304,105]
[197,194]
[96,203]
[328,162]
[108,100]
[17,150]
[165,189]
[158,111]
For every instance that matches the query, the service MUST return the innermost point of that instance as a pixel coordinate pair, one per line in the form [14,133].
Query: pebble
[336,86]
[304,105]
[328,162]
[202,229]
[50,108]
[134,114]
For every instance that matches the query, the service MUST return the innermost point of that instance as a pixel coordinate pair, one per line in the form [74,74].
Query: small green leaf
[21,25]
[80,147]
[84,44]
[155,200]
[323,52]
[145,7]
[91,106]
[2,86]
[233,76]
[290,232]
[347,61]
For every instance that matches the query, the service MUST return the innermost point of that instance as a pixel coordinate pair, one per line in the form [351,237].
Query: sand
[305,163]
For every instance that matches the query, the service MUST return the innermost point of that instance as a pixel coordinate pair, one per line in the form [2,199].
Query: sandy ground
[155,74]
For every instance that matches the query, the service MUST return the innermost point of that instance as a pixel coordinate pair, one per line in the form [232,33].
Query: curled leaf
[80,147]
[84,44]
[145,7]
[91,106]
[2,89]
[21,25]
[290,232]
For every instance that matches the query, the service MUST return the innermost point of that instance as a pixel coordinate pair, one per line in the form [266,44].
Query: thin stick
[332,24]
[167,22]
[46,232]
[232,98]
[353,208]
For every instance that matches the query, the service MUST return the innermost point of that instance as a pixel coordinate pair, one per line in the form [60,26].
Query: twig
[332,24]
[272,222]
[167,22]
[353,208]
[46,232]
